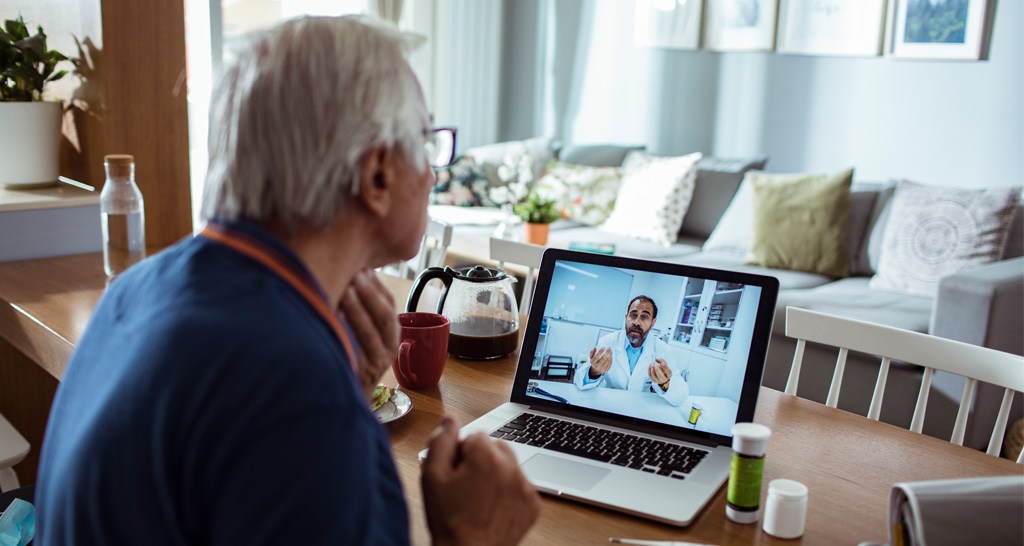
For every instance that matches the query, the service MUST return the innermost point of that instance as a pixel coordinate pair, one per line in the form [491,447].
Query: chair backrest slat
[837,378]
[794,370]
[876,398]
[995,442]
[961,415]
[917,421]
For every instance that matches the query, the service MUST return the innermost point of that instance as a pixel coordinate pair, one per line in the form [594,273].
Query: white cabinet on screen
[707,316]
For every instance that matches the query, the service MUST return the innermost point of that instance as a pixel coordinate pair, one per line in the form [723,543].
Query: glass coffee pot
[481,306]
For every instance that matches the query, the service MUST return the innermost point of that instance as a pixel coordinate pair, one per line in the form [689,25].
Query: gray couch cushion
[871,246]
[719,259]
[717,182]
[862,206]
[596,155]
[851,298]
[1015,239]
[624,245]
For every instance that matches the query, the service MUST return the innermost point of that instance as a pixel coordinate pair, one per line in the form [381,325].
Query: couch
[983,305]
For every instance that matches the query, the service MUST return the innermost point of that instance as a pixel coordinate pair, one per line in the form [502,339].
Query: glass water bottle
[123,216]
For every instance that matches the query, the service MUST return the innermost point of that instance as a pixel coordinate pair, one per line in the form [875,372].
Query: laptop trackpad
[565,473]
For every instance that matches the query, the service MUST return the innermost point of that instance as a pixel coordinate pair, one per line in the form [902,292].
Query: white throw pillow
[654,196]
[934,231]
[735,231]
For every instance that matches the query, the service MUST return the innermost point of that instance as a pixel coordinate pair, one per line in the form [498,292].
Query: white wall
[937,122]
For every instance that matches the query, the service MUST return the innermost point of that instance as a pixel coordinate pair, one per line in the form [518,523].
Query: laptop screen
[646,344]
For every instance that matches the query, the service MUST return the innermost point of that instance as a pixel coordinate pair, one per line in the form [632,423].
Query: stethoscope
[534,387]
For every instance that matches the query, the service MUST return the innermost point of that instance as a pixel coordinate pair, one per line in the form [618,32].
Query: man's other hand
[370,311]
[474,492]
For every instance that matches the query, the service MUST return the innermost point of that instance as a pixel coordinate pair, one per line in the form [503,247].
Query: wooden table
[848,462]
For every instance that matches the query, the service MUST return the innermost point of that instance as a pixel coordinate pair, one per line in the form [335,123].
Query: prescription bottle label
[745,473]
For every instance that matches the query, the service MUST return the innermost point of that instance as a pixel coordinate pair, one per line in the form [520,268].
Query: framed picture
[740,25]
[831,27]
[672,24]
[940,29]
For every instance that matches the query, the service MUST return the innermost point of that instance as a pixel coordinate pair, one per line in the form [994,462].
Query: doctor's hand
[370,311]
[600,362]
[660,373]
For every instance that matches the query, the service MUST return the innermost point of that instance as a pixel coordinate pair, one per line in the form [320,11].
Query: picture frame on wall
[740,25]
[668,24]
[940,29]
[853,28]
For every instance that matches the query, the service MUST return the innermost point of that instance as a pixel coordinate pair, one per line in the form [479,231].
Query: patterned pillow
[585,194]
[933,232]
[463,184]
[654,196]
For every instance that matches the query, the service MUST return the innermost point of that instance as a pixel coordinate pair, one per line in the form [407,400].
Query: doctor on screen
[630,359]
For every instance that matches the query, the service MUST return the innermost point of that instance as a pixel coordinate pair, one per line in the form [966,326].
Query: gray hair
[292,116]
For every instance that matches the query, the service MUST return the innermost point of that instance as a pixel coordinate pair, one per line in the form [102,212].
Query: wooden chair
[13,448]
[433,251]
[972,362]
[516,252]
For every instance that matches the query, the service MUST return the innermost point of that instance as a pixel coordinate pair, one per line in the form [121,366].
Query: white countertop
[59,196]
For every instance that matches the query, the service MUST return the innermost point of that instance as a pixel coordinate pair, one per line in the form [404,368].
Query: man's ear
[375,182]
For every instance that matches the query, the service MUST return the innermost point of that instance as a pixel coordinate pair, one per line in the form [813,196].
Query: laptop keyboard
[598,444]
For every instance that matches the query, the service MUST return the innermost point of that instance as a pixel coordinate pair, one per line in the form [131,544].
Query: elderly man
[218,395]
[630,359]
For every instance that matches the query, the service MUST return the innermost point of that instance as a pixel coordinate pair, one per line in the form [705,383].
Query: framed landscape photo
[740,25]
[941,29]
[831,27]
[671,24]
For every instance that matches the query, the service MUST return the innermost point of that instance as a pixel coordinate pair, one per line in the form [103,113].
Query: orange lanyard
[272,260]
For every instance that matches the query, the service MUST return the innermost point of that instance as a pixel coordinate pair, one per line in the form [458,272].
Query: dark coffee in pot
[481,338]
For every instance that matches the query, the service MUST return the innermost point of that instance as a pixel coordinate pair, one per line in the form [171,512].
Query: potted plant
[537,212]
[29,125]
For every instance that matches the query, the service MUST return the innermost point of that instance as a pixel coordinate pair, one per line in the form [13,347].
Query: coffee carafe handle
[422,279]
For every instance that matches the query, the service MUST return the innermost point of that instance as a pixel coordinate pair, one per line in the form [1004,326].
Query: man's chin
[635,340]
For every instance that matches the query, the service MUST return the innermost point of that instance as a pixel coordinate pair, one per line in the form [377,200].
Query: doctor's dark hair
[648,300]
[295,111]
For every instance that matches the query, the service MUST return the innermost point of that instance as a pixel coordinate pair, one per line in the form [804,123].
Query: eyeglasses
[440,147]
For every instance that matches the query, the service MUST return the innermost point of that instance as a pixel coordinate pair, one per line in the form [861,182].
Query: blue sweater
[208,403]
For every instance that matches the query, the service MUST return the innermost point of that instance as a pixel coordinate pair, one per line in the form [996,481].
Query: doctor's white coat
[618,376]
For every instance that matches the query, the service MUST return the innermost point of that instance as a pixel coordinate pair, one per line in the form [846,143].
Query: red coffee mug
[423,350]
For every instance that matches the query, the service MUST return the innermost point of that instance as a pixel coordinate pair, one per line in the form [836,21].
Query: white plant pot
[29,143]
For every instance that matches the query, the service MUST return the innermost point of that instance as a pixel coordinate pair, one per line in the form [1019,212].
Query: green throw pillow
[800,221]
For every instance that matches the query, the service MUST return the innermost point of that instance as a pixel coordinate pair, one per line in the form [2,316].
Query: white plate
[399,405]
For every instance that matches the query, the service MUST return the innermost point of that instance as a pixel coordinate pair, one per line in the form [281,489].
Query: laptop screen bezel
[755,359]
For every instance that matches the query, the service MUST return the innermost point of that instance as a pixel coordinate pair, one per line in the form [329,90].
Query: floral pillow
[585,194]
[462,184]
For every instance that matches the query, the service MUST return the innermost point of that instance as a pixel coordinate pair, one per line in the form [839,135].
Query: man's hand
[474,492]
[600,362]
[660,373]
[370,311]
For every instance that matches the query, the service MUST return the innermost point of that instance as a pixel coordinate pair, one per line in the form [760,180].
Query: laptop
[626,440]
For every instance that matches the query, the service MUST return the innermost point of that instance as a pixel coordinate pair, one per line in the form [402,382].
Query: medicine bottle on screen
[122,215]
[743,497]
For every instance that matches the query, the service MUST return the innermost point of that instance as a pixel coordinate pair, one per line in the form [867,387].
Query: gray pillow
[717,182]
